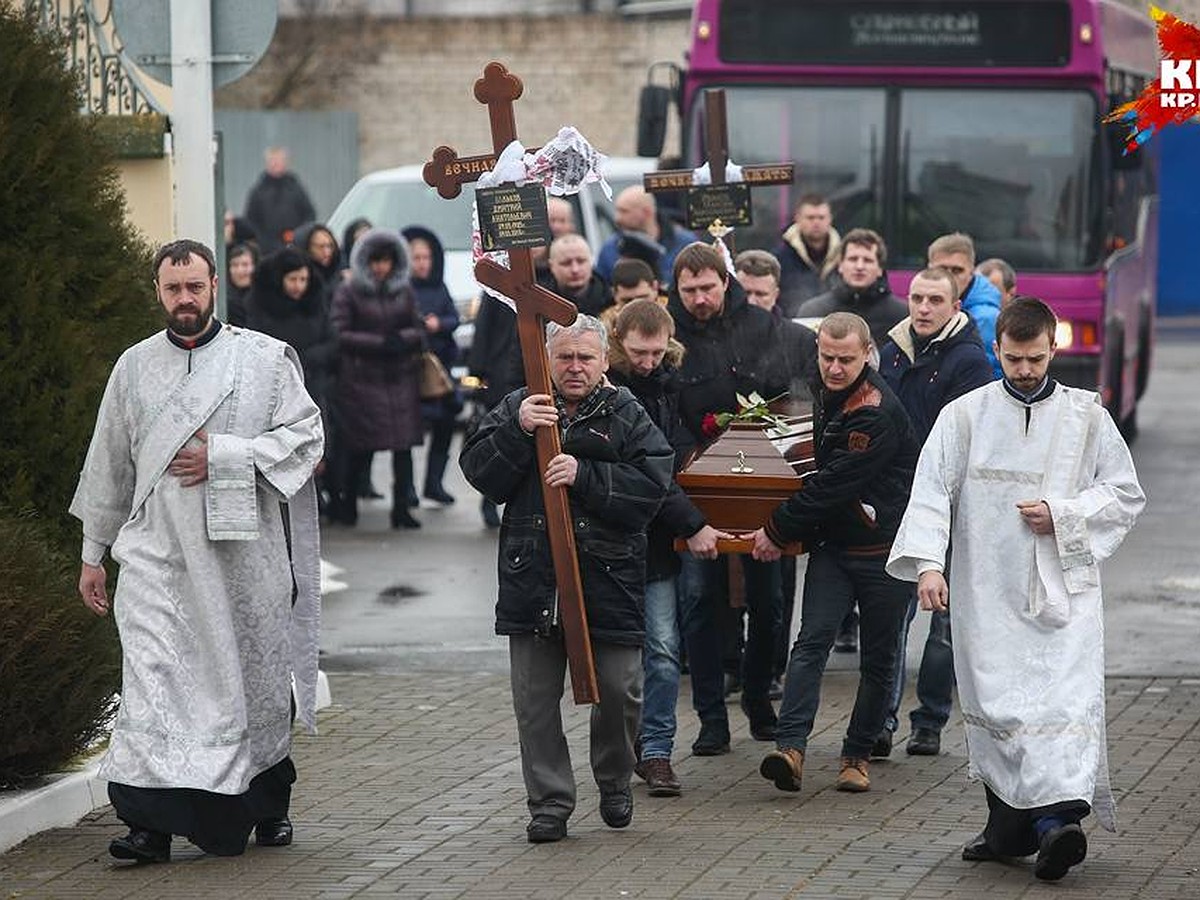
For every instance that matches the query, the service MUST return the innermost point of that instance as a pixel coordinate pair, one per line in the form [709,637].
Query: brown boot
[853,776]
[785,767]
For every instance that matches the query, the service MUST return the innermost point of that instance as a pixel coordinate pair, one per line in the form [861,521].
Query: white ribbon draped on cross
[563,166]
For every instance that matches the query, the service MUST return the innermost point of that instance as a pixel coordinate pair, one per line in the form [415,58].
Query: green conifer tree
[75,290]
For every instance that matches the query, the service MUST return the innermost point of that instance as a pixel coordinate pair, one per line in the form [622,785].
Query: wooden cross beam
[447,172]
[716,146]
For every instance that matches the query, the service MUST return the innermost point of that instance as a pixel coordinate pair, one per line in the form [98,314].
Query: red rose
[709,427]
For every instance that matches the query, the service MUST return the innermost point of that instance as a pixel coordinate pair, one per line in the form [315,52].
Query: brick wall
[410,80]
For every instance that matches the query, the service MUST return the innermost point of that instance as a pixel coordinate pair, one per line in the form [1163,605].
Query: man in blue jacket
[980,299]
[934,356]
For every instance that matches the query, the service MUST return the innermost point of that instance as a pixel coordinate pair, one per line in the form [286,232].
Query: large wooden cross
[716,145]
[447,172]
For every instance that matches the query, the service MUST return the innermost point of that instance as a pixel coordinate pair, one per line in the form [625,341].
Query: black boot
[402,480]
[435,470]
[142,845]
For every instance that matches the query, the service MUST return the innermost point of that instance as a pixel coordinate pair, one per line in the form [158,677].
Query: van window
[401,204]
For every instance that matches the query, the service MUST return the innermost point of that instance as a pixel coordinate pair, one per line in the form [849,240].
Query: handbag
[435,380]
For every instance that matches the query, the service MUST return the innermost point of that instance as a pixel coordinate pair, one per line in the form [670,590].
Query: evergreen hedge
[75,290]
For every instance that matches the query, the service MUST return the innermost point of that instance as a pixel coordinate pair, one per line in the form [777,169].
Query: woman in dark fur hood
[380,341]
[287,302]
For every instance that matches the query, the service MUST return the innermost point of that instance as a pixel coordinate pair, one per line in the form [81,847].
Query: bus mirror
[1118,134]
[653,105]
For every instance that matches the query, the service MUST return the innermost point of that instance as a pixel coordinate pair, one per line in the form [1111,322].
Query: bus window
[1012,168]
[835,137]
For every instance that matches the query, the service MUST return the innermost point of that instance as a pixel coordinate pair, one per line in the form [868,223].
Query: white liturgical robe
[209,635]
[1025,609]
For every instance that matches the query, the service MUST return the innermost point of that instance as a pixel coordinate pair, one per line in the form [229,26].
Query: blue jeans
[935,679]
[660,664]
[835,579]
[703,593]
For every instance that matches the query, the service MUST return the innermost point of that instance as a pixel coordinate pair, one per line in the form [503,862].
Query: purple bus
[921,117]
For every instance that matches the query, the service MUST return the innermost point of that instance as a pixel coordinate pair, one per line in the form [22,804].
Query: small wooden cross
[447,172]
[716,145]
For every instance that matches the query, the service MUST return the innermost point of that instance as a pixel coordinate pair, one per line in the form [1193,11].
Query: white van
[397,198]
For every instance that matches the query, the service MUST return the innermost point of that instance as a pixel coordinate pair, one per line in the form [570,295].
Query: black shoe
[924,742]
[402,518]
[846,641]
[775,691]
[491,516]
[763,721]
[713,739]
[273,833]
[439,494]
[1061,848]
[545,829]
[977,850]
[882,748]
[616,808]
[142,846]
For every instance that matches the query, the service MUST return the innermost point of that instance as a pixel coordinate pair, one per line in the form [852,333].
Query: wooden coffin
[739,479]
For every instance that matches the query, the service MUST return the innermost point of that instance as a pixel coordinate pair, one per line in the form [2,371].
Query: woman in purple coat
[380,340]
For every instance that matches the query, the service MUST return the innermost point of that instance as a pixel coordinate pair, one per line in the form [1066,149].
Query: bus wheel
[1114,373]
[1144,352]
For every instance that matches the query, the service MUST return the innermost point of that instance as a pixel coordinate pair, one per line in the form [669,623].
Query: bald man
[637,213]
[570,275]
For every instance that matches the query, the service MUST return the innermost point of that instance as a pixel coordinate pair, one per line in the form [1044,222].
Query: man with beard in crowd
[203,431]
[732,347]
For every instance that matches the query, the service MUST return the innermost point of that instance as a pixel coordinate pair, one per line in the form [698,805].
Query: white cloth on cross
[703,175]
[564,165]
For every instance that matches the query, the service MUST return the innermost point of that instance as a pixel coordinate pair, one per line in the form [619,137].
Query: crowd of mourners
[949,464]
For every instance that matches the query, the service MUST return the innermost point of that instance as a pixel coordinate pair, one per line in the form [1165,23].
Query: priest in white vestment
[1029,486]
[205,441]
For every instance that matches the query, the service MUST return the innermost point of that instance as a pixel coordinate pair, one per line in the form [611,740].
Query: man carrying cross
[616,467]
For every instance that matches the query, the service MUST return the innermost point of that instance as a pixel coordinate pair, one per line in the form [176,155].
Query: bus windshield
[1012,167]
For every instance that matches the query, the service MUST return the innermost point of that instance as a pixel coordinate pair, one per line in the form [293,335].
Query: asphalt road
[422,600]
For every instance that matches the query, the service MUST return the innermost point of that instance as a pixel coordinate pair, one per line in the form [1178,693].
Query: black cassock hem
[1011,832]
[216,823]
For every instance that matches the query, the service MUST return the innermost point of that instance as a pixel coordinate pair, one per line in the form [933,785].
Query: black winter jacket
[739,351]
[866,455]
[304,324]
[624,472]
[658,393]
[949,366]
[595,297]
[876,303]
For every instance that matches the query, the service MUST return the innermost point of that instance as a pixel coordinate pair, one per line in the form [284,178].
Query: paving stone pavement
[413,789]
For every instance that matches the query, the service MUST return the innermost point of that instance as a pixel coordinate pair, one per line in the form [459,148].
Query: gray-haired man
[616,466]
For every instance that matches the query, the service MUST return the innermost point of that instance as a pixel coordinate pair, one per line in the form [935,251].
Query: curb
[70,797]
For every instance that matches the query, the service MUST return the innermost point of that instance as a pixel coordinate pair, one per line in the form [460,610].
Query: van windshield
[401,204]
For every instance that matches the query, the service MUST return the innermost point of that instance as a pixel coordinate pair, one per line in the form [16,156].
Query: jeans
[660,664]
[703,594]
[836,578]
[935,679]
